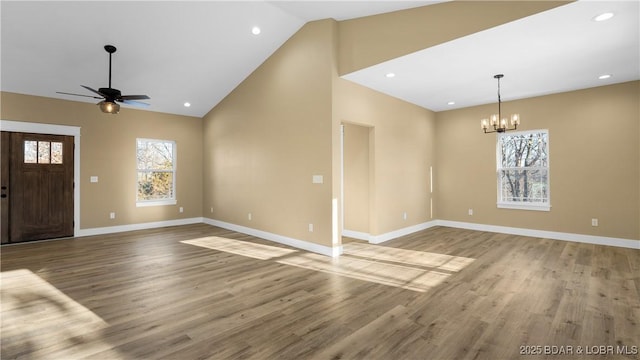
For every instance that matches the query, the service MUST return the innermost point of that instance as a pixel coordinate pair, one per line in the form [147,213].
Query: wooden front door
[38,188]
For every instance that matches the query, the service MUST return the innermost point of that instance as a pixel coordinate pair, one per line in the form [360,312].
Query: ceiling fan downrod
[110,49]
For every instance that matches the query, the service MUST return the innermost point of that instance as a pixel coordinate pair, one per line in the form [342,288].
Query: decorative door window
[42,152]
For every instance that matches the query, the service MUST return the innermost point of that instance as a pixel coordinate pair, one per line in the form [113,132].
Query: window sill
[534,207]
[156,203]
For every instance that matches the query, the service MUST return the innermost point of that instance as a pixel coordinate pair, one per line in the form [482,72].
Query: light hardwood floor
[201,292]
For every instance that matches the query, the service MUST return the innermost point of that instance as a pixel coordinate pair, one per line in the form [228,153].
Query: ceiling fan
[111,96]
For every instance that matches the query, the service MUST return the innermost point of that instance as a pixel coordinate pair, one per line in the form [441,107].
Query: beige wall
[402,152]
[594,147]
[267,138]
[108,150]
[367,41]
[356,177]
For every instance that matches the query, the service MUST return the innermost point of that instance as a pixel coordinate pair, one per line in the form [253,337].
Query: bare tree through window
[523,168]
[156,170]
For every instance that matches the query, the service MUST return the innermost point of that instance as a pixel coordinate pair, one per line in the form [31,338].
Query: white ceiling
[200,51]
[559,50]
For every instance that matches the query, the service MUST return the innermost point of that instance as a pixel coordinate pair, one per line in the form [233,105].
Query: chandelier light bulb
[494,120]
[515,119]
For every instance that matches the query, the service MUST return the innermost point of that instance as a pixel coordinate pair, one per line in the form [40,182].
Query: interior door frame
[371,175]
[51,129]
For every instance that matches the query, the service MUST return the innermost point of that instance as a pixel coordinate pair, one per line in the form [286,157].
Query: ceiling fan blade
[89,96]
[134,97]
[135,103]
[93,90]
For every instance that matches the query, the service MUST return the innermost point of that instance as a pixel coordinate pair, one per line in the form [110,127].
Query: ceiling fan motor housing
[110,93]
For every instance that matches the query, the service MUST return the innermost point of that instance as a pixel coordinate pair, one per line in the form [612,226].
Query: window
[523,170]
[42,152]
[156,161]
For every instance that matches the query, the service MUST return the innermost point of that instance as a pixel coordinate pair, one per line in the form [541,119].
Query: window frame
[174,171]
[518,205]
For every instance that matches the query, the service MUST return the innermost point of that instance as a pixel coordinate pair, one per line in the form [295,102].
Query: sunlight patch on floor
[405,277]
[256,251]
[407,257]
[47,322]
[406,269]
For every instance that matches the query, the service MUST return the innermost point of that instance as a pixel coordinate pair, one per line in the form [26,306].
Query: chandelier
[496,121]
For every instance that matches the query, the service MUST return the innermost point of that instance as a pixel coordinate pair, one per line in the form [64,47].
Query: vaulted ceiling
[198,52]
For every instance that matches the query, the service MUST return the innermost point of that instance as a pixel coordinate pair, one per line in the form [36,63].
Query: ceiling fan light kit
[109,107]
[112,96]
[496,121]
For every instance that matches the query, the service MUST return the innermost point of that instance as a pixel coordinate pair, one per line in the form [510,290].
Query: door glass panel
[56,152]
[30,152]
[43,152]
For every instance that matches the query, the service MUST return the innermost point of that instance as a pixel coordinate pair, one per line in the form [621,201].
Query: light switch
[94,179]
[317,179]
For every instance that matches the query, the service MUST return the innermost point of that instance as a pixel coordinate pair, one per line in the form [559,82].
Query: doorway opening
[358,181]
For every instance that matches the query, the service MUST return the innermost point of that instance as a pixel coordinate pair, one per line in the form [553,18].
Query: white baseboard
[373,239]
[141,226]
[356,234]
[377,239]
[589,239]
[300,244]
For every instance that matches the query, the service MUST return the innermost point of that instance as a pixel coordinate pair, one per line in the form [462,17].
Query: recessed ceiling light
[603,16]
[451,103]
[604,76]
[187,104]
[390,75]
[256,30]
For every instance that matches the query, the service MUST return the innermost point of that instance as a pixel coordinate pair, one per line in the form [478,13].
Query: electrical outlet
[470,212]
[212,210]
[249,216]
[310,227]
[594,222]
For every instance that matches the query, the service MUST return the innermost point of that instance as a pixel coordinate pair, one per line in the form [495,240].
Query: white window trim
[522,206]
[163,202]
[144,203]
[530,206]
